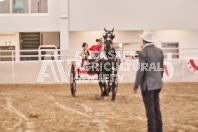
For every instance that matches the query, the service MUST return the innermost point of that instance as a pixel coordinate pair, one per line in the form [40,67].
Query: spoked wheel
[72,81]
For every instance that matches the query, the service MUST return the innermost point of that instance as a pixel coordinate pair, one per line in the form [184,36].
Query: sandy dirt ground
[51,108]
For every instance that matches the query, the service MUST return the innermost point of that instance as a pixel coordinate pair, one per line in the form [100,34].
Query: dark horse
[108,66]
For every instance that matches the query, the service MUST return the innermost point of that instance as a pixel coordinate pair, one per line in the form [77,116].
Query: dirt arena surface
[51,108]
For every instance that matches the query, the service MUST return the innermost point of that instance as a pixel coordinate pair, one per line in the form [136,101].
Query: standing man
[149,77]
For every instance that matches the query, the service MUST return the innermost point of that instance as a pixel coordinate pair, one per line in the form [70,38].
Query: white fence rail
[53,66]
[14,55]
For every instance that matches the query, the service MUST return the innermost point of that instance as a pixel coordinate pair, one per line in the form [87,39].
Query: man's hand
[134,91]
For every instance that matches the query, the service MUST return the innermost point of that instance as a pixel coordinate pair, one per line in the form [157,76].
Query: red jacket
[95,48]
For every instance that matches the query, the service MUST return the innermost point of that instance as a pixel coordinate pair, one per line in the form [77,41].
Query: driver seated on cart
[96,48]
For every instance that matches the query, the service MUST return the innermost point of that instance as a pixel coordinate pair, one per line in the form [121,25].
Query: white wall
[51,38]
[85,15]
[27,23]
[123,15]
[186,38]
[49,22]
[94,15]
[8,37]
[64,24]
[78,37]
[13,37]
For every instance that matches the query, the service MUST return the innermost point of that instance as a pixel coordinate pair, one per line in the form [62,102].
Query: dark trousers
[153,113]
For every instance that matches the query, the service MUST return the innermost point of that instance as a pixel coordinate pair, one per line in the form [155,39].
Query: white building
[27,24]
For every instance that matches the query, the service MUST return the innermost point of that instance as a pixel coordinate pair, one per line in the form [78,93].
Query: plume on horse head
[108,35]
[108,38]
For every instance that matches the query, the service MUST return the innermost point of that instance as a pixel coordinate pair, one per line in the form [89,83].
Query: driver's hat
[99,40]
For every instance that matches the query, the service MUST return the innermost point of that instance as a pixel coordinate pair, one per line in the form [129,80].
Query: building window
[39,6]
[171,50]
[23,6]
[20,6]
[4,6]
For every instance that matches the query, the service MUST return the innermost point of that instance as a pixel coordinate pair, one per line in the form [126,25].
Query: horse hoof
[114,100]
[104,97]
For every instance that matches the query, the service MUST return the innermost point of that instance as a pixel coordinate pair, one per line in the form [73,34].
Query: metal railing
[12,69]
[59,54]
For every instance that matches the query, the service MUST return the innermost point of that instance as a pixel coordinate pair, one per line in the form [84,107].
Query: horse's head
[108,35]
[108,38]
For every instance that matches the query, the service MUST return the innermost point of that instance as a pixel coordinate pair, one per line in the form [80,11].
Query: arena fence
[53,66]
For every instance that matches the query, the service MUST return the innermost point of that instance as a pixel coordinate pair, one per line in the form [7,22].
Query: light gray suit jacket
[150,73]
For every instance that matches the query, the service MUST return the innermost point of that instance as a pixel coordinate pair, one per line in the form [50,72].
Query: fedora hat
[147,35]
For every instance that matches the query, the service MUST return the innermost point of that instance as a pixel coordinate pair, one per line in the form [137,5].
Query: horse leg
[114,88]
[106,92]
[113,91]
[109,85]
[100,84]
[102,93]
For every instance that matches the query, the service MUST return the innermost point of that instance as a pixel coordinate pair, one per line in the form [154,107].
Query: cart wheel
[72,81]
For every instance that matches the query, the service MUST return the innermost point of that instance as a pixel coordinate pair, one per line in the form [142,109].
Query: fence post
[12,66]
[183,63]
[39,50]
